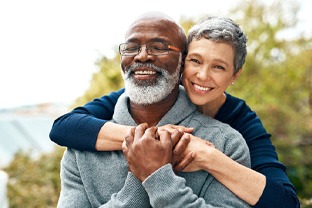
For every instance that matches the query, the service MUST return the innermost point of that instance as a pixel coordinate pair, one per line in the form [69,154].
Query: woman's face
[208,70]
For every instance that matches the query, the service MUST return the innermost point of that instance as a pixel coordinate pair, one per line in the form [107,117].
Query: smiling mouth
[144,72]
[201,88]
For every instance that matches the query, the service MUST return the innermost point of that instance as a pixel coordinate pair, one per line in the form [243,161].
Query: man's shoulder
[223,136]
[215,131]
[91,156]
[209,122]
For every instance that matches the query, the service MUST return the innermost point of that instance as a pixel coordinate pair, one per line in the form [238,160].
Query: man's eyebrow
[157,39]
[134,40]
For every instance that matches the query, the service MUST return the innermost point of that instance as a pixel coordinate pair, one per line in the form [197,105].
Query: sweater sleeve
[165,189]
[79,128]
[73,192]
[279,191]
[131,195]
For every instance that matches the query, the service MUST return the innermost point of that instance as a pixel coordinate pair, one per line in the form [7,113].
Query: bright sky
[48,48]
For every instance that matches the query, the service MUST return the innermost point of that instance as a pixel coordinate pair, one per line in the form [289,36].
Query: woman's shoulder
[230,99]
[233,108]
[241,117]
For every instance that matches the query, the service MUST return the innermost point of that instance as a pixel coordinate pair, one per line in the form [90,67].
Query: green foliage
[276,83]
[187,23]
[106,80]
[34,182]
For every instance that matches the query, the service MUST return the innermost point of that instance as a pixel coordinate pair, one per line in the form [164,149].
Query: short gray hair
[225,30]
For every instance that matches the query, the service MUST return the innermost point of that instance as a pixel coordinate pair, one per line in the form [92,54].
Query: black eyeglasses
[152,48]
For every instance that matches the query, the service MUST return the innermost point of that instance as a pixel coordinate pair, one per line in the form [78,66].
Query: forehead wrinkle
[138,40]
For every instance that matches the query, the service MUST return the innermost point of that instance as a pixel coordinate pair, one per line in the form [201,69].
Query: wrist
[209,159]
[111,136]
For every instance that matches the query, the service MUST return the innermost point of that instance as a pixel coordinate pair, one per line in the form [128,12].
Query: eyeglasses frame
[170,48]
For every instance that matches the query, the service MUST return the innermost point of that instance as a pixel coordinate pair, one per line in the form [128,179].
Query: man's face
[150,78]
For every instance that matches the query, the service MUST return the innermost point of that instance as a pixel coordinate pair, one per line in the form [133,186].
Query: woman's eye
[220,67]
[195,61]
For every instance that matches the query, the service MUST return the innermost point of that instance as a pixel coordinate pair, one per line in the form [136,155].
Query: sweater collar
[182,108]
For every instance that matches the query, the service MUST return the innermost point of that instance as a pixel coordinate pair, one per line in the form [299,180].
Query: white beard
[149,92]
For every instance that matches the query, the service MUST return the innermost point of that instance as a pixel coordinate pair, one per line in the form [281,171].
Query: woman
[216,54]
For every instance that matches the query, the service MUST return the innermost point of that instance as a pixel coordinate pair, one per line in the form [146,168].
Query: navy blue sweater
[79,129]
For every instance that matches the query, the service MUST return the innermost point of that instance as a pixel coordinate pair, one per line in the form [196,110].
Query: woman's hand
[200,150]
[179,146]
[173,128]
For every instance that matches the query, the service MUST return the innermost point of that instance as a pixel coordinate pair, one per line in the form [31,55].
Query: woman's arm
[278,191]
[80,128]
[111,136]
[244,182]
[267,187]
[87,127]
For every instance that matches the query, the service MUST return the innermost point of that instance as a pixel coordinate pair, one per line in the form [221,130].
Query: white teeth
[145,72]
[201,88]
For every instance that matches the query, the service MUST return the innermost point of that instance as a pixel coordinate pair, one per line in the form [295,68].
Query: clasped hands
[149,148]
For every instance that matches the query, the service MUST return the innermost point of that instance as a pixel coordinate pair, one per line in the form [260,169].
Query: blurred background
[56,55]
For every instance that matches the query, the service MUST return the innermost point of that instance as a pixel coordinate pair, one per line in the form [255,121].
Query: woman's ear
[236,76]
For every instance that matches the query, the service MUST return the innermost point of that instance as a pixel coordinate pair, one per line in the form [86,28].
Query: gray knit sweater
[101,179]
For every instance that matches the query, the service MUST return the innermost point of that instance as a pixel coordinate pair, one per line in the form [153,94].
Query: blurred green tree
[276,83]
[34,183]
[107,79]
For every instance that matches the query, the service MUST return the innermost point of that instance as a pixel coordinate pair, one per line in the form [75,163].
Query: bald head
[148,21]
[155,16]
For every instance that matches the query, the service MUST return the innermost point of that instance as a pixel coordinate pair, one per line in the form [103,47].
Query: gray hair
[225,30]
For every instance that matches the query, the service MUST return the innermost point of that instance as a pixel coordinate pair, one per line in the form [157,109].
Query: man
[151,66]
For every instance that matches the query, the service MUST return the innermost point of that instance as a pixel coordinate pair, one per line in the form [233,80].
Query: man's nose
[143,55]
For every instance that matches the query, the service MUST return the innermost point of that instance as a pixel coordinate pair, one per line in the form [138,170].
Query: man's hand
[146,150]
[180,158]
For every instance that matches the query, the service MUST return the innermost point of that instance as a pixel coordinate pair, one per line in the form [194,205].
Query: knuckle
[178,169]
[127,137]
[175,153]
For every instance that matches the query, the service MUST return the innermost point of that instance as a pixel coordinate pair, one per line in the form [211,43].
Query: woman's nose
[203,73]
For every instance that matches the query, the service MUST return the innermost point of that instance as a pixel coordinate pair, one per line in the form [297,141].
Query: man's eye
[158,47]
[131,48]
